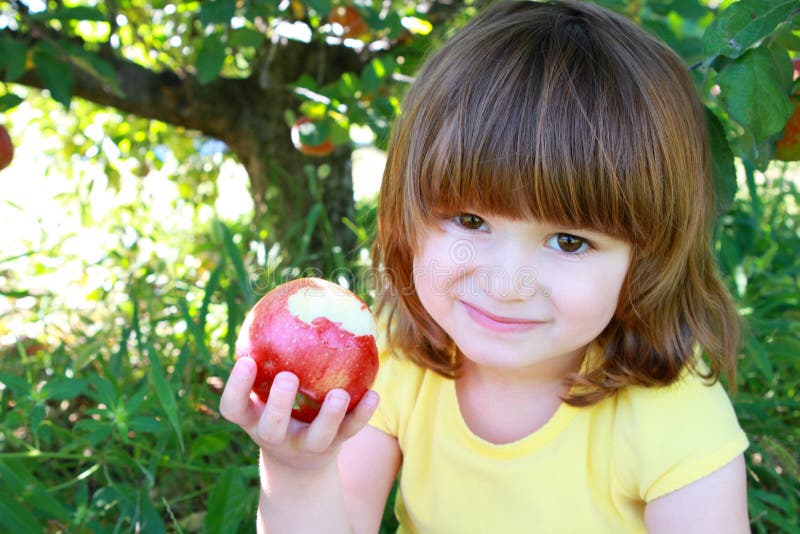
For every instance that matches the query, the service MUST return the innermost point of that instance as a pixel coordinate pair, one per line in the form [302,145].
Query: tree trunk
[286,185]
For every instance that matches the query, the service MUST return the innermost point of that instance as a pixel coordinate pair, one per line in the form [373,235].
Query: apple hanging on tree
[787,148]
[311,138]
[319,331]
[6,148]
[351,21]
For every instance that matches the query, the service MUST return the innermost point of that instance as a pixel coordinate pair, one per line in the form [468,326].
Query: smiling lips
[497,323]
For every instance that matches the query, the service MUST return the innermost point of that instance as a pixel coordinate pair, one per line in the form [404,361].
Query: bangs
[551,174]
[531,127]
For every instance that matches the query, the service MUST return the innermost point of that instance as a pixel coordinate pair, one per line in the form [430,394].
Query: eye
[569,243]
[470,221]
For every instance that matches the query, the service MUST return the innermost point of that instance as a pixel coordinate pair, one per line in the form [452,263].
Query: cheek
[428,279]
[590,299]
[433,268]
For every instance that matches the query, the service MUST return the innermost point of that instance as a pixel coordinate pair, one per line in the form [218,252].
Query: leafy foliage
[758,240]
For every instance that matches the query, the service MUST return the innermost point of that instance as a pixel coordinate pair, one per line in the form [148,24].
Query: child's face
[514,293]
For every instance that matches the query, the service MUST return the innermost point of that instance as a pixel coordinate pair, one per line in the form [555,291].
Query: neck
[540,375]
[503,405]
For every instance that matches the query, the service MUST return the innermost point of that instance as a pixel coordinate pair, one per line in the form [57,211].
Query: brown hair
[569,113]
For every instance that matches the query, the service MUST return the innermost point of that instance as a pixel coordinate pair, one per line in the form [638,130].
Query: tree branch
[217,109]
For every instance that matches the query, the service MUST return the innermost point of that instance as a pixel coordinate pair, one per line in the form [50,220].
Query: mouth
[499,323]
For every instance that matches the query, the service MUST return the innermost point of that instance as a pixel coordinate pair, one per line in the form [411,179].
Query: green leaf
[226,502]
[320,6]
[16,518]
[95,66]
[72,13]
[56,74]
[16,480]
[9,101]
[723,170]
[146,424]
[210,58]
[743,24]
[103,391]
[311,225]
[134,402]
[786,38]
[238,263]
[81,13]
[197,332]
[13,53]
[754,94]
[340,130]
[211,287]
[97,430]
[782,454]
[19,385]
[37,415]
[757,351]
[348,85]
[164,393]
[688,9]
[148,519]
[373,75]
[209,444]
[246,38]
[314,133]
[65,388]
[217,12]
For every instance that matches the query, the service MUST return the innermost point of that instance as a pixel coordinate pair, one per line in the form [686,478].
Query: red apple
[322,148]
[787,148]
[6,148]
[319,331]
[351,21]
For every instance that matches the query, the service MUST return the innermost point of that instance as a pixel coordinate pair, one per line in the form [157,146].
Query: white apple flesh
[318,330]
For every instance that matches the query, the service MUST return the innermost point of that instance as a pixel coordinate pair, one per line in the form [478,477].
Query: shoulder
[679,397]
[674,435]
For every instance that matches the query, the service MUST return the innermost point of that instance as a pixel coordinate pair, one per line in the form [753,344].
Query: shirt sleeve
[676,435]
[385,416]
[397,384]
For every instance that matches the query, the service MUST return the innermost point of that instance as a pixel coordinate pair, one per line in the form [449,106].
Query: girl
[549,290]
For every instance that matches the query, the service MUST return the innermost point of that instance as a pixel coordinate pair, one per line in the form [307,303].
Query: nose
[511,272]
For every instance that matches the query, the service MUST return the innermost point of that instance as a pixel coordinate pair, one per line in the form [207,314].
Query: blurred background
[164,164]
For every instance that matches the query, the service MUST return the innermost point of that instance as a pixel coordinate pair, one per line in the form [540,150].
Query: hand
[284,440]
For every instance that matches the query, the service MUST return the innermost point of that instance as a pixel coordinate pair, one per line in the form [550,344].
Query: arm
[715,503]
[358,487]
[301,490]
[368,464]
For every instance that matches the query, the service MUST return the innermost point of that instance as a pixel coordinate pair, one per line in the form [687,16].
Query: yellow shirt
[586,470]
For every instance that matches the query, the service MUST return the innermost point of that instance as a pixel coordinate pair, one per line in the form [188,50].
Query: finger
[325,426]
[235,405]
[360,416]
[278,410]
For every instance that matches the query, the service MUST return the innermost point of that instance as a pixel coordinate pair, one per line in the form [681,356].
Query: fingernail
[370,399]
[337,399]
[285,383]
[242,370]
